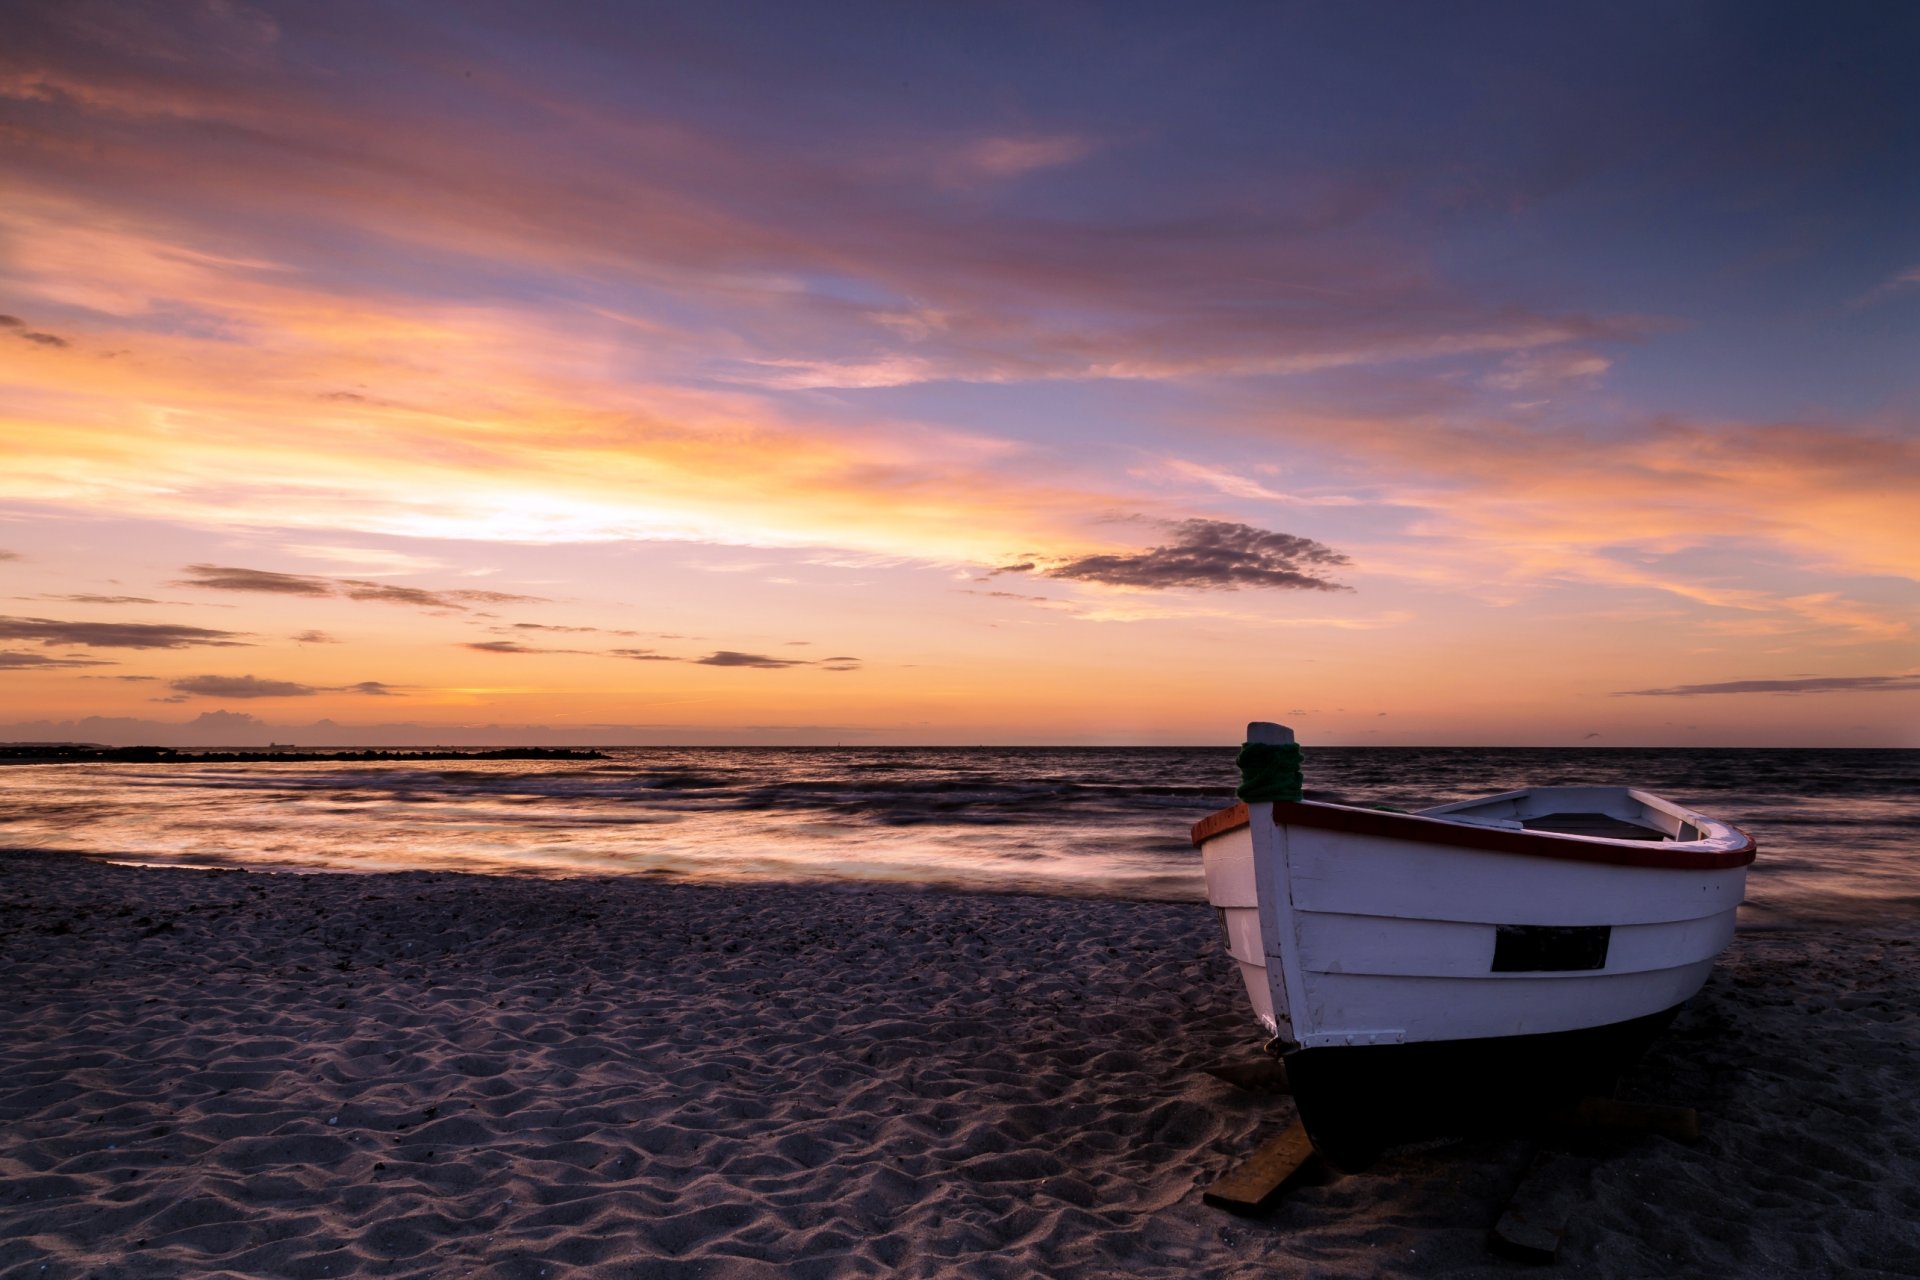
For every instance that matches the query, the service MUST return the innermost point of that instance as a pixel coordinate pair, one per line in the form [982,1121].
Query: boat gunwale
[1713,854]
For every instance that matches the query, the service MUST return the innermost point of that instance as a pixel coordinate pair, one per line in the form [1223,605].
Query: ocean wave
[1103,821]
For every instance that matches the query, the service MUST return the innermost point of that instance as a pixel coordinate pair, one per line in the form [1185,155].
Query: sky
[1072,373]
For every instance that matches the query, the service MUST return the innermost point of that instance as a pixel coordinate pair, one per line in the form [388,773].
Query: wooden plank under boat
[1485,958]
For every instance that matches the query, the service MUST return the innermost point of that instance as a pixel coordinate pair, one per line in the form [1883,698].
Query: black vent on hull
[1547,948]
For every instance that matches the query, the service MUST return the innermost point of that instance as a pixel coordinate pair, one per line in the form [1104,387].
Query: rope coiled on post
[1269,771]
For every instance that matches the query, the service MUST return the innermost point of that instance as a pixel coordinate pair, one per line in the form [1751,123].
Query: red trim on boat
[1230,818]
[1532,844]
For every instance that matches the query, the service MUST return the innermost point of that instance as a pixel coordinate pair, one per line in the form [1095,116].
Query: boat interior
[1608,813]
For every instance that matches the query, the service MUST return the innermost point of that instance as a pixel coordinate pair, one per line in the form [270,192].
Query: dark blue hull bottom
[1356,1101]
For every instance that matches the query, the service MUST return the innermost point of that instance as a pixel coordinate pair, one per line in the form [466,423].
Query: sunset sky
[1522,374]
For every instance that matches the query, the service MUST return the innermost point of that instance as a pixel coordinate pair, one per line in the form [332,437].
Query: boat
[1485,960]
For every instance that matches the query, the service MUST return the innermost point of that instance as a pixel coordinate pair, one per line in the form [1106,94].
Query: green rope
[1269,771]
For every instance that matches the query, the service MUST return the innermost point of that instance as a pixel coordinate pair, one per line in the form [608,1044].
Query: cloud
[314,637]
[1801,684]
[1653,505]
[41,662]
[252,687]
[736,658]
[92,599]
[240,687]
[1148,273]
[1551,369]
[228,578]
[1014,157]
[29,335]
[1898,282]
[731,658]
[9,555]
[1237,485]
[512,646]
[116,635]
[222,578]
[388,592]
[1009,595]
[543,626]
[1209,555]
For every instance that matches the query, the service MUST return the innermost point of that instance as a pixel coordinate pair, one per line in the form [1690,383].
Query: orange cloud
[1506,504]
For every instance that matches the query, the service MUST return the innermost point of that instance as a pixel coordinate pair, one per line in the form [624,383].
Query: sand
[233,1074]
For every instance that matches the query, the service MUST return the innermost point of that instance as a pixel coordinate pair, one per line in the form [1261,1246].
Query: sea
[1838,830]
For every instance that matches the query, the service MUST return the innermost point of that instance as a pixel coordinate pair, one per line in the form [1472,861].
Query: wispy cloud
[1798,684]
[1900,282]
[253,687]
[42,662]
[116,635]
[1553,369]
[512,646]
[1620,508]
[18,328]
[731,658]
[93,599]
[240,687]
[738,658]
[1010,156]
[1238,485]
[220,578]
[227,578]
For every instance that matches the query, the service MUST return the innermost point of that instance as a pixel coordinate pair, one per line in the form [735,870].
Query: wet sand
[235,1074]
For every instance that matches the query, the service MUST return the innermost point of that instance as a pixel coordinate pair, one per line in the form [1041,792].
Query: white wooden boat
[1495,953]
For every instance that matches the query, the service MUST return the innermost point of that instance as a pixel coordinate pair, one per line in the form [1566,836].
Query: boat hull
[1414,966]
[1356,1101]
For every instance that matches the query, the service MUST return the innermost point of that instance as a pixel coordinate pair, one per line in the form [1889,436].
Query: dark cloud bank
[1208,555]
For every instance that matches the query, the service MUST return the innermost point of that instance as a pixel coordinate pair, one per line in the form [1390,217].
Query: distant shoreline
[60,754]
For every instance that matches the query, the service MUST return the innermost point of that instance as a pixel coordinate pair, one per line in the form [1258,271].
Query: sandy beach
[241,1074]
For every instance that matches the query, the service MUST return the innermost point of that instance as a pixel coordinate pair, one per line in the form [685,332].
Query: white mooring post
[1273,891]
